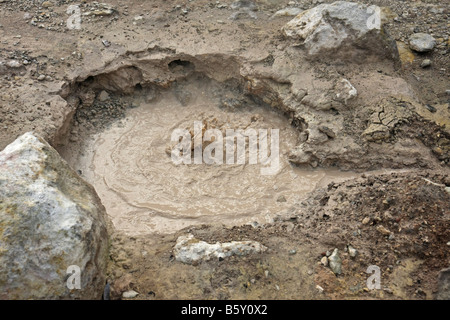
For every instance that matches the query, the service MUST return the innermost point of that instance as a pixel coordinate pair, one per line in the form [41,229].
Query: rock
[281,199]
[287,12]
[344,91]
[41,77]
[292,252]
[130,294]
[47,4]
[189,250]
[13,64]
[421,42]
[443,285]
[366,220]
[107,292]
[352,251]
[425,63]
[341,30]
[335,262]
[52,223]
[103,96]
[381,229]
[324,261]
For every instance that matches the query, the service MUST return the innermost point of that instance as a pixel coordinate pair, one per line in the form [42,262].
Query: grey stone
[130,294]
[335,262]
[13,64]
[421,42]
[103,96]
[50,221]
[341,30]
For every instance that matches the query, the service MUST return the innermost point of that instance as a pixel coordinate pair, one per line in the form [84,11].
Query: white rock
[188,249]
[352,251]
[345,27]
[130,294]
[13,64]
[50,220]
[345,91]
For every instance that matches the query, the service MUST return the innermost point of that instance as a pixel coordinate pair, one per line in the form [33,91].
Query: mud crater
[119,140]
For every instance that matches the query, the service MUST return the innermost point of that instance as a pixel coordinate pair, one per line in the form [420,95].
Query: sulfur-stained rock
[53,227]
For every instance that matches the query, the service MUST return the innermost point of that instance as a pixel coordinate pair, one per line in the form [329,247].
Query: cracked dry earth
[372,169]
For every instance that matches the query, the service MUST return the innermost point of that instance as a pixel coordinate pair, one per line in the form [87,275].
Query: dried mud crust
[398,222]
[389,219]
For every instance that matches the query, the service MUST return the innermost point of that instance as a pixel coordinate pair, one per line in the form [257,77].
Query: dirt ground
[397,220]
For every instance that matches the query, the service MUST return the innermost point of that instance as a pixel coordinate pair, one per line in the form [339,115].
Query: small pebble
[430,108]
[425,63]
[352,251]
[130,294]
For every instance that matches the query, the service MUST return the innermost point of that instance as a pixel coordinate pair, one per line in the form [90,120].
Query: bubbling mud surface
[144,192]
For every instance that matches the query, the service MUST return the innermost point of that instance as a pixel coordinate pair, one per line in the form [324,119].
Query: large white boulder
[53,227]
[342,30]
[190,250]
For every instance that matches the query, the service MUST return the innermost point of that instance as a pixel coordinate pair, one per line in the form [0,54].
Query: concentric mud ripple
[145,192]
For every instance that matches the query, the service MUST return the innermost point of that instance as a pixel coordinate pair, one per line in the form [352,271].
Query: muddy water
[144,192]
